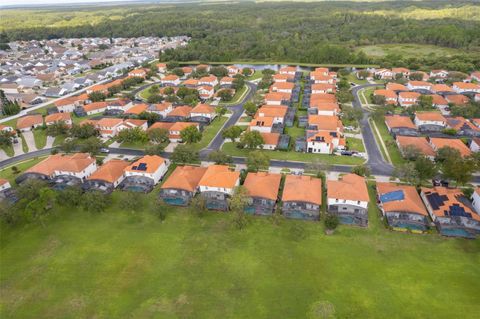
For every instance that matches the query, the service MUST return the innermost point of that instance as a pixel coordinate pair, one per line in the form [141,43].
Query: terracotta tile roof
[272,111]
[398,121]
[219,176]
[29,120]
[409,95]
[71,100]
[185,177]
[162,125]
[438,99]
[421,143]
[460,123]
[270,138]
[327,107]
[451,197]
[227,79]
[411,202]
[396,87]
[170,77]
[322,97]
[277,96]
[441,88]
[162,106]
[288,69]
[476,122]
[430,116]
[108,122]
[135,122]
[323,87]
[455,143]
[321,136]
[187,69]
[457,99]
[95,106]
[284,77]
[302,189]
[283,86]
[152,163]
[262,121]
[210,78]
[325,122]
[203,108]
[179,126]
[420,83]
[349,187]
[56,117]
[3,181]
[191,81]
[59,162]
[263,185]
[466,86]
[111,171]
[400,70]
[181,111]
[386,93]
[137,109]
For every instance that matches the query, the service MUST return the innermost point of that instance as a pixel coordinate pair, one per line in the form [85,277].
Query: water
[175,201]
[346,220]
[409,226]
[456,232]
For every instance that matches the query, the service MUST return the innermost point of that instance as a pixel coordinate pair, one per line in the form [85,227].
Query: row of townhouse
[431,122]
[81,170]
[400,72]
[188,70]
[442,94]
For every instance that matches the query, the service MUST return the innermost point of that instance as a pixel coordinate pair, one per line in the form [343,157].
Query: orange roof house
[150,166]
[350,187]
[263,190]
[80,165]
[26,123]
[420,143]
[327,108]
[302,197]
[285,87]
[110,172]
[325,123]
[58,117]
[219,179]
[398,122]
[396,87]
[276,98]
[437,143]
[270,140]
[441,88]
[457,99]
[410,202]
[181,185]
[95,107]
[261,124]
[390,96]
[181,111]
[137,109]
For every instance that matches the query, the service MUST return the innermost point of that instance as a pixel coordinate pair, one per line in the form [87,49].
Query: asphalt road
[375,161]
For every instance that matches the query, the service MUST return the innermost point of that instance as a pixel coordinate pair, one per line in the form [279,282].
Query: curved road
[376,162]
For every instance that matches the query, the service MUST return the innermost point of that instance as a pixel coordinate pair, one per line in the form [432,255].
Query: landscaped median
[388,141]
[233,150]
[237,97]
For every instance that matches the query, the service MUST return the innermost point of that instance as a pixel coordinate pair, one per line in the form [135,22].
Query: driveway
[50,140]
[28,136]
[3,155]
[17,148]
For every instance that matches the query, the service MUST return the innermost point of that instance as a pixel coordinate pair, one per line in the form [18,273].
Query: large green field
[408,50]
[121,264]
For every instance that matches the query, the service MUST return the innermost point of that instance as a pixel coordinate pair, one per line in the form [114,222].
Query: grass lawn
[353,78]
[40,136]
[237,97]
[59,140]
[135,145]
[245,119]
[392,148]
[7,172]
[355,144]
[77,120]
[232,150]
[121,264]
[408,50]
[295,132]
[145,94]
[209,132]
[255,76]
[8,150]
[24,144]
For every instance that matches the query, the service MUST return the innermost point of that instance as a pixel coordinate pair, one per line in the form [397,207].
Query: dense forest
[321,32]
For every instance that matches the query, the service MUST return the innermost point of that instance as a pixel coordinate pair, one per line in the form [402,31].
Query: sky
[42,2]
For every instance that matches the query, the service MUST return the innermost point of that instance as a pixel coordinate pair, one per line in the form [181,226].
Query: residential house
[451,211]
[277,98]
[187,71]
[233,70]
[439,74]
[398,124]
[318,88]
[438,101]
[206,92]
[29,122]
[137,109]
[261,124]
[476,199]
[182,185]
[396,87]
[441,89]
[430,121]
[419,143]
[327,109]
[457,99]
[140,73]
[390,96]
[324,142]
[270,141]
[107,177]
[68,105]
[302,197]
[462,126]
[322,98]
[402,207]
[407,99]
[475,146]
[144,173]
[456,143]
[174,129]
[348,199]
[95,107]
[282,87]
[283,77]
[170,80]
[322,78]
[179,114]
[6,191]
[384,74]
[263,191]
[419,85]
[462,87]
[161,67]
[210,80]
[226,82]
[278,113]
[62,170]
[162,109]
[325,123]
[404,72]
[54,118]
[288,70]
[190,83]
[202,113]
[217,185]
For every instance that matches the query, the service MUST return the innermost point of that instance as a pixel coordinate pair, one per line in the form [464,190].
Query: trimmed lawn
[255,76]
[392,148]
[7,172]
[355,144]
[120,264]
[8,150]
[237,97]
[59,140]
[408,50]
[24,144]
[136,145]
[295,132]
[40,136]
[209,132]
[77,120]
[232,150]
[353,78]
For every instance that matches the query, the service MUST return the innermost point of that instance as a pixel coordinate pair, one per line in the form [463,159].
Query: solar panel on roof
[457,210]
[392,196]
